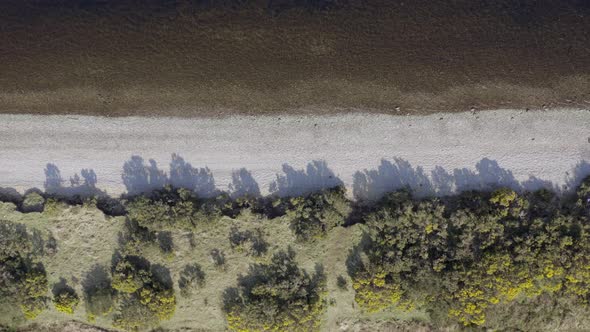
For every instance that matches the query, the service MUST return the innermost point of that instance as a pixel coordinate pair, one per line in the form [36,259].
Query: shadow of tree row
[140,176]
[390,176]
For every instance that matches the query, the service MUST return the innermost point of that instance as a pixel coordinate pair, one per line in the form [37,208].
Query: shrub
[32,307]
[128,277]
[33,202]
[171,208]
[134,315]
[32,291]
[341,282]
[218,258]
[251,242]
[134,238]
[66,300]
[276,296]
[313,215]
[146,299]
[471,255]
[165,242]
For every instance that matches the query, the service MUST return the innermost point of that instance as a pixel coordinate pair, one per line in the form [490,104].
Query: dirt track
[471,151]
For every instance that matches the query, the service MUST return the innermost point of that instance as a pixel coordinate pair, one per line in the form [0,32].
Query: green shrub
[170,209]
[66,301]
[99,302]
[146,300]
[466,258]
[33,290]
[134,315]
[33,202]
[23,281]
[276,296]
[313,215]
[32,307]
[134,238]
[128,277]
[218,258]
[249,241]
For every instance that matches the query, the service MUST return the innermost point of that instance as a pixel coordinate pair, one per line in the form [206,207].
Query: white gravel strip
[368,153]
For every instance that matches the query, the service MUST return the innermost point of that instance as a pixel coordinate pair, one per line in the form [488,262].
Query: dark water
[120,57]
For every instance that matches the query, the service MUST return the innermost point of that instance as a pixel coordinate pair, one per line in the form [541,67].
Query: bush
[33,202]
[66,300]
[341,282]
[276,296]
[312,216]
[134,237]
[466,258]
[146,299]
[33,290]
[218,258]
[129,276]
[171,208]
[23,281]
[251,242]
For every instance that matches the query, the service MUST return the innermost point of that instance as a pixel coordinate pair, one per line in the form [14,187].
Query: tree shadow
[294,182]
[184,175]
[97,290]
[354,260]
[370,185]
[575,177]
[61,286]
[191,277]
[97,278]
[79,187]
[140,178]
[230,298]
[488,175]
[165,242]
[162,275]
[243,184]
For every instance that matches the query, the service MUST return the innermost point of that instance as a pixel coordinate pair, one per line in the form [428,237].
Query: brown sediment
[378,56]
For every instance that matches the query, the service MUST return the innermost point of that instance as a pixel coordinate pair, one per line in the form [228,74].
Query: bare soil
[212,58]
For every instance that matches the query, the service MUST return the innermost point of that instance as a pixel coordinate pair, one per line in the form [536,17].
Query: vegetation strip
[476,259]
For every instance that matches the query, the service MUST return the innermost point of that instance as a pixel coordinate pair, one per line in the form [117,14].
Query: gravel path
[370,154]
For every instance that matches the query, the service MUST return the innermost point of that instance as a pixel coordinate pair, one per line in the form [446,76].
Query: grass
[85,237]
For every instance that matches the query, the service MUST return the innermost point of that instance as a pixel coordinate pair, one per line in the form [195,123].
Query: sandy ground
[369,153]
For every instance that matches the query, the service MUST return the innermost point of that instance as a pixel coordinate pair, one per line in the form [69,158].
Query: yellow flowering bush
[66,301]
